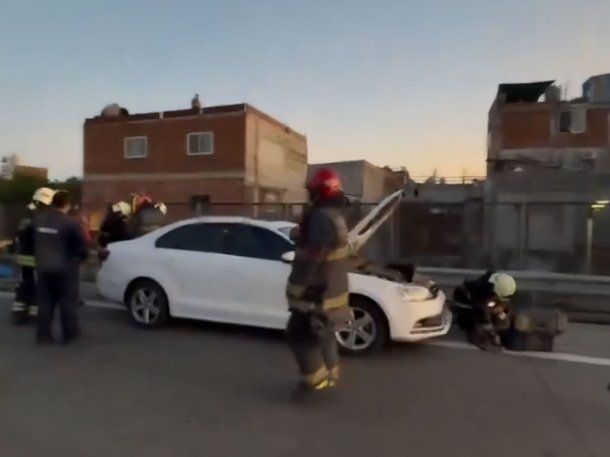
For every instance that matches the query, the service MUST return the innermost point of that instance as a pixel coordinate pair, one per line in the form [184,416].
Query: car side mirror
[288,257]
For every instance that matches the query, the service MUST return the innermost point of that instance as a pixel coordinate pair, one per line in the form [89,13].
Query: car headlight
[414,293]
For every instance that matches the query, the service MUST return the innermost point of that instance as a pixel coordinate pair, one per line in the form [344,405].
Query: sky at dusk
[399,83]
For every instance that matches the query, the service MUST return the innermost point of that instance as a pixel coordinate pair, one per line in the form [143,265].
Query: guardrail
[532,281]
[584,298]
[8,283]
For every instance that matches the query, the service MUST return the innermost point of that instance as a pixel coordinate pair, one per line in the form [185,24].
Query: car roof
[271,225]
[357,236]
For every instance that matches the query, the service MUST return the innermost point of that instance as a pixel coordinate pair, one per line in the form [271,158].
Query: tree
[19,189]
[73,185]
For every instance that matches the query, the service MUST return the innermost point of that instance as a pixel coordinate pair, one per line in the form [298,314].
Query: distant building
[548,159]
[10,169]
[230,153]
[531,127]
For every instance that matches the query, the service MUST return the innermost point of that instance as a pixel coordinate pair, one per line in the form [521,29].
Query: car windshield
[287,229]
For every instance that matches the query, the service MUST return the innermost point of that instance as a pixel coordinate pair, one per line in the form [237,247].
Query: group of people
[52,243]
[51,246]
[124,221]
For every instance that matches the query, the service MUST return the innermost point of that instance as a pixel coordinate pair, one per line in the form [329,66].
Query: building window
[200,143]
[573,121]
[136,147]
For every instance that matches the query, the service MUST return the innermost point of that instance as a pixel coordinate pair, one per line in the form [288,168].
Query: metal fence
[560,237]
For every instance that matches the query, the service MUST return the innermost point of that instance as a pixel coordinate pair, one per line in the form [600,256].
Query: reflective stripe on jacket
[319,277]
[26,261]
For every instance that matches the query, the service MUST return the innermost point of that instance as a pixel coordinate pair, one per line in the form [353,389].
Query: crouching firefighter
[24,306]
[148,216]
[115,226]
[482,308]
[317,289]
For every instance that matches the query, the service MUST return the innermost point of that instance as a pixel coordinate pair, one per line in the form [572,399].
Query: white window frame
[126,140]
[188,144]
[574,111]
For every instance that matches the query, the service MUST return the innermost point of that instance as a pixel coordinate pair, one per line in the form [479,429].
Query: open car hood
[366,228]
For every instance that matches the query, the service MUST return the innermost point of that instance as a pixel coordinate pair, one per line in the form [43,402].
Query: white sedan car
[234,270]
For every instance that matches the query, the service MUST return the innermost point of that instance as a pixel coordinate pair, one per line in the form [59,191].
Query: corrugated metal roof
[523,92]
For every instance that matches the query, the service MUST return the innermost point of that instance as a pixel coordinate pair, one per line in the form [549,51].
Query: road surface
[207,390]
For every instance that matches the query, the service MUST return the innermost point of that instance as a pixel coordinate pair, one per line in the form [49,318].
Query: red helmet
[140,201]
[324,184]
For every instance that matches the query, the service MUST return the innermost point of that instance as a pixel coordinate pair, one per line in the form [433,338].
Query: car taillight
[103,254]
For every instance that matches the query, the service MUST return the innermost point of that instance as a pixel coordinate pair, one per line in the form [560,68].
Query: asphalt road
[207,390]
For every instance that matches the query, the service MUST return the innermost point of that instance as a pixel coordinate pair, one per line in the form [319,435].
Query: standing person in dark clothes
[25,306]
[60,249]
[317,290]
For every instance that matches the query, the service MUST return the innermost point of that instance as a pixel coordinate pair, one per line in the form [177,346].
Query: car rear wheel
[369,332]
[147,303]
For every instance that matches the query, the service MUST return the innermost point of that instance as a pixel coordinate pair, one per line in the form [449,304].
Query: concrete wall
[537,219]
[446,193]
[276,160]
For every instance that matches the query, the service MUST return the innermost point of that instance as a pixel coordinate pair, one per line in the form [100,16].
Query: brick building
[548,159]
[531,127]
[232,153]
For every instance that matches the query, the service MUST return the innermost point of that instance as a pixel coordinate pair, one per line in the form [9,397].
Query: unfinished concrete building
[548,159]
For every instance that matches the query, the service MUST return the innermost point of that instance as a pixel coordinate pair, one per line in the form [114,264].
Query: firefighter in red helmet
[317,289]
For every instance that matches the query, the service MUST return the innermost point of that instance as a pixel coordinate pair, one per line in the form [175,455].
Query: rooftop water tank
[597,89]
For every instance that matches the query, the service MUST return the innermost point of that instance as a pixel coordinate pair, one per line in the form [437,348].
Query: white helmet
[122,208]
[161,207]
[43,196]
[504,285]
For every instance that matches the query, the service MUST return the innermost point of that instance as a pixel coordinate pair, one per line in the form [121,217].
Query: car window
[197,237]
[287,230]
[259,243]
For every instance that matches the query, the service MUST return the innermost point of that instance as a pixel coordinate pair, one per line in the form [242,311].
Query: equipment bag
[535,330]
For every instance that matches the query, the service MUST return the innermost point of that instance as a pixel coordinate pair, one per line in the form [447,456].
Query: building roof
[523,92]
[340,163]
[190,112]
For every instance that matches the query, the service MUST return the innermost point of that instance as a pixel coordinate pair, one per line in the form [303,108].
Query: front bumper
[420,320]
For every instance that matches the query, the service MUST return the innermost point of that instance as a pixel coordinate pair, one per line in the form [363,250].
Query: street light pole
[589,246]
[597,206]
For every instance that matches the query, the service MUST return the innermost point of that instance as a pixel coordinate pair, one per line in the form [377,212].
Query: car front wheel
[147,304]
[369,332]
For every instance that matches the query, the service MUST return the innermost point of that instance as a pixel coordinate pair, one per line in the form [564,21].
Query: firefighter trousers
[312,340]
[58,290]
[25,293]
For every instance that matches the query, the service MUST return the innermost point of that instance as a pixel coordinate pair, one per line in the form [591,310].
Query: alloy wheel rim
[145,306]
[361,334]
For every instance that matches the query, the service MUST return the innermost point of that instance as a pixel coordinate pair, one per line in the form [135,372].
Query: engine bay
[399,272]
